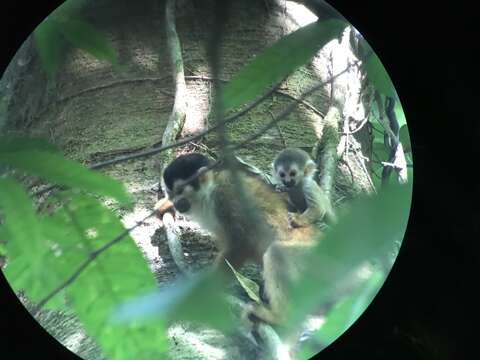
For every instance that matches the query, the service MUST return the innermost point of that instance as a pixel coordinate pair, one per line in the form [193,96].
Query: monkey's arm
[318,207]
[163,206]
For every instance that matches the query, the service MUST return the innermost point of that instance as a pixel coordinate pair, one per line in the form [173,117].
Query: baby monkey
[295,170]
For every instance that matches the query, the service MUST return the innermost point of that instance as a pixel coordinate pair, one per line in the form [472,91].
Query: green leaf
[197,300]
[378,148]
[367,232]
[399,113]
[347,311]
[251,287]
[405,139]
[86,37]
[26,245]
[279,60]
[377,74]
[117,274]
[56,168]
[19,219]
[16,143]
[50,46]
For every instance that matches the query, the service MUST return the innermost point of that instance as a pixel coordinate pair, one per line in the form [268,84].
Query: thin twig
[92,256]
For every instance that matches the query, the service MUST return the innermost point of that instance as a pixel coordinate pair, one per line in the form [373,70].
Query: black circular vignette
[425,309]
[21,336]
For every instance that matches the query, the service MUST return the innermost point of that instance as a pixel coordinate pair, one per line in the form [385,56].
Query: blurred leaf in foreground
[279,60]
[366,233]
[42,162]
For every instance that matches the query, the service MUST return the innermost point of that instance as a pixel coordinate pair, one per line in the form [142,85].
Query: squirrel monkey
[212,200]
[295,170]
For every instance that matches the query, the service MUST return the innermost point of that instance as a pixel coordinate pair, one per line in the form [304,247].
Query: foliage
[45,249]
[379,150]
[376,71]
[378,224]
[278,61]
[37,158]
[65,26]
[197,300]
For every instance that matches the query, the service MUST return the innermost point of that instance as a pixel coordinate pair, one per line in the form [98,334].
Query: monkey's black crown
[183,168]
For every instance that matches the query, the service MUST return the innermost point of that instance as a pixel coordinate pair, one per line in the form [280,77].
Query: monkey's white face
[289,176]
[195,203]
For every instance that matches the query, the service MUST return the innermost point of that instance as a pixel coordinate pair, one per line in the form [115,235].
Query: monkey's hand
[280,188]
[256,312]
[163,206]
[298,220]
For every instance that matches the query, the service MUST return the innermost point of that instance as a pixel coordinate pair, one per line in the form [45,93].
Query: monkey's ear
[206,176]
[310,168]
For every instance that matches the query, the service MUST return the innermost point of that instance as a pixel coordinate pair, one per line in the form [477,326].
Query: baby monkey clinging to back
[295,170]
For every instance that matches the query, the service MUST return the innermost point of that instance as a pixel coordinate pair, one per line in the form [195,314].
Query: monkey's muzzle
[182,205]
[289,183]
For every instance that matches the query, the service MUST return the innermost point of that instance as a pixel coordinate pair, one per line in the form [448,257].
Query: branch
[174,125]
[290,108]
[179,111]
[93,255]
[327,159]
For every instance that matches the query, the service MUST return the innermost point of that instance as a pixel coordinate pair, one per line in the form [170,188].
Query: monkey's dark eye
[293,173]
[282,174]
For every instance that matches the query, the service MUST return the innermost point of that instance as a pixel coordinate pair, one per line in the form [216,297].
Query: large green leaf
[400,114]
[16,143]
[378,75]
[54,167]
[26,246]
[379,151]
[18,215]
[347,311]
[368,232]
[86,37]
[50,45]
[279,60]
[116,275]
[197,300]
[405,139]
